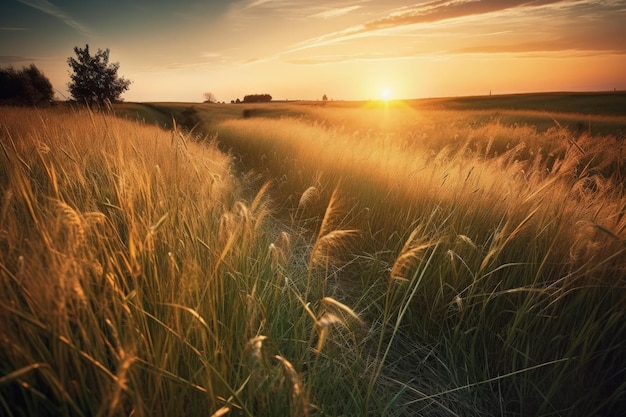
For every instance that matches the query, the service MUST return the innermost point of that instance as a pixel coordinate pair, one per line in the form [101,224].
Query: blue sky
[177,50]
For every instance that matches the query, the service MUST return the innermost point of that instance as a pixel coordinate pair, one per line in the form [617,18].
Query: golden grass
[117,239]
[534,172]
[492,233]
[436,262]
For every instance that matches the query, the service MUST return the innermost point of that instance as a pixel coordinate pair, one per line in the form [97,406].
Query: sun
[386,94]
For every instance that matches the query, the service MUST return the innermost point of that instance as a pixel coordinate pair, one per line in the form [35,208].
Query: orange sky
[302,49]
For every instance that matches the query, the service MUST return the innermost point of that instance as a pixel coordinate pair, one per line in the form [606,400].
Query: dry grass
[135,277]
[494,235]
[437,262]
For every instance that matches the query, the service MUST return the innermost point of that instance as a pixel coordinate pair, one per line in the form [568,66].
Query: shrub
[257,98]
[28,86]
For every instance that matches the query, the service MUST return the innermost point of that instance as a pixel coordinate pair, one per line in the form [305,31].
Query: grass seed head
[310,195]
[221,412]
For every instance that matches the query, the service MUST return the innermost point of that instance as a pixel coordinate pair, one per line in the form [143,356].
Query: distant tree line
[27,86]
[257,98]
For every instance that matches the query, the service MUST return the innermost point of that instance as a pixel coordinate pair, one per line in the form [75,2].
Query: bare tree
[209,97]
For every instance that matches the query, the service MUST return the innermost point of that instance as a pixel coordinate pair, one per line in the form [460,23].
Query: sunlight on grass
[527,225]
[373,260]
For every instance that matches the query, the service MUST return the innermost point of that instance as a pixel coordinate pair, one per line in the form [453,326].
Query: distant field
[598,112]
[605,103]
[460,256]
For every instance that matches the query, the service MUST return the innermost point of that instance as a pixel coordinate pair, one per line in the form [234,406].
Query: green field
[460,256]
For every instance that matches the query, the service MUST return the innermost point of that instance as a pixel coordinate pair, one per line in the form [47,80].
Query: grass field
[432,257]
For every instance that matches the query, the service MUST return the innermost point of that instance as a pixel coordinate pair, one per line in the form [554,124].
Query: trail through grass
[528,228]
[382,260]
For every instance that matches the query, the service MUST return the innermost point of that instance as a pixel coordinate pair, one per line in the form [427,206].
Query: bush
[257,98]
[28,86]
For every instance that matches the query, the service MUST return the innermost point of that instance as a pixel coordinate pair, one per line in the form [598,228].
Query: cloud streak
[418,20]
[13,59]
[257,3]
[429,12]
[336,12]
[438,10]
[340,58]
[50,9]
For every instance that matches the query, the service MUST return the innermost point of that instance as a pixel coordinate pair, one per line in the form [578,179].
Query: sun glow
[386,94]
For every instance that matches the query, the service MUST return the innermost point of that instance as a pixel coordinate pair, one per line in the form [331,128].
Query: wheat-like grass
[329,242]
[409,255]
[296,386]
[191,293]
[309,195]
[322,326]
[343,308]
[327,246]
[222,411]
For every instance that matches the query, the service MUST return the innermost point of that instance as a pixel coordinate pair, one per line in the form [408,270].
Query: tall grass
[391,262]
[136,280]
[516,306]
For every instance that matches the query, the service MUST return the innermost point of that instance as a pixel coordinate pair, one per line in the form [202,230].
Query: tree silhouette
[209,97]
[95,80]
[257,98]
[28,86]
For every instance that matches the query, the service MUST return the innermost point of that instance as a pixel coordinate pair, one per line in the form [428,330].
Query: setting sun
[302,207]
[414,49]
[386,94]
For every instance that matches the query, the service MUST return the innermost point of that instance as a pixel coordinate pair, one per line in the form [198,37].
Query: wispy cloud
[437,10]
[201,62]
[428,12]
[336,12]
[46,7]
[258,60]
[570,28]
[602,35]
[12,59]
[14,29]
[336,58]
[568,47]
[257,3]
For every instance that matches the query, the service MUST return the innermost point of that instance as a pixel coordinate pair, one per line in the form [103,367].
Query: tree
[209,97]
[37,87]
[28,86]
[325,98]
[95,80]
[257,98]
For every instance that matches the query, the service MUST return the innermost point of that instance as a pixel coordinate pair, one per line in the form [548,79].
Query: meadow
[434,257]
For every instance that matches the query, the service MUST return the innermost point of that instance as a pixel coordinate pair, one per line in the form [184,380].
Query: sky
[347,50]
